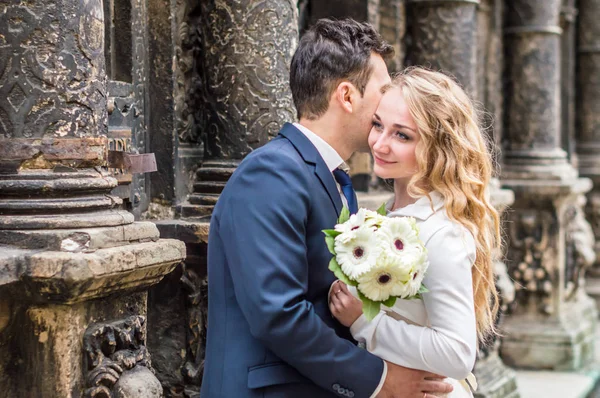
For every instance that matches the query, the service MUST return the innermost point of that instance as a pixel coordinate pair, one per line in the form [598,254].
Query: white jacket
[446,343]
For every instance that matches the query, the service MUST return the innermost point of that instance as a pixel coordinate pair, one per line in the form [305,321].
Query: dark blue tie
[346,184]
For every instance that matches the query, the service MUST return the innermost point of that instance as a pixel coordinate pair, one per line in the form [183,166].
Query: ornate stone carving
[244,58]
[115,352]
[243,87]
[580,244]
[196,289]
[530,247]
[51,69]
[443,36]
[187,85]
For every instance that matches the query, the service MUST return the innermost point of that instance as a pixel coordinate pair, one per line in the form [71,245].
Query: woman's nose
[381,145]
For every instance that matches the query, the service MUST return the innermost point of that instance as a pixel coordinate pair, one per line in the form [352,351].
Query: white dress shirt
[333,160]
[437,333]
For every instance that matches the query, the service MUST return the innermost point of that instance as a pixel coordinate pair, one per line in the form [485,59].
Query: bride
[426,138]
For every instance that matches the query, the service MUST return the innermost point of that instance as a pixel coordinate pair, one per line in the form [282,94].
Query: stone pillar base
[557,343]
[58,285]
[494,379]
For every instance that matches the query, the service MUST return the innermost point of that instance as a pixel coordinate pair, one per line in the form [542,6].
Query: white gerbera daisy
[400,241]
[416,276]
[358,254]
[383,281]
[349,228]
[374,219]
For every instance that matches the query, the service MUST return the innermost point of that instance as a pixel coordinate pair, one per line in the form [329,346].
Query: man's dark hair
[330,52]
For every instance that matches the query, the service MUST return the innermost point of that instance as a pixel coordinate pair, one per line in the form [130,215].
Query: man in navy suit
[270,332]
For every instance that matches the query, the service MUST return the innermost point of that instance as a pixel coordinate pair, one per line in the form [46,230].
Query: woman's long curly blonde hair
[454,159]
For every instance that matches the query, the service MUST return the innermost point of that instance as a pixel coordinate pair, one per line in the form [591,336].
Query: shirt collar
[332,159]
[421,209]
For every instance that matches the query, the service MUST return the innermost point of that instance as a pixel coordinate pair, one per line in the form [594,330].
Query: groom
[270,331]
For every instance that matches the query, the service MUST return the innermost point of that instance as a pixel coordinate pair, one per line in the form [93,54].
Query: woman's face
[393,138]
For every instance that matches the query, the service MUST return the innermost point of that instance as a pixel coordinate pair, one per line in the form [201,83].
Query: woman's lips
[381,162]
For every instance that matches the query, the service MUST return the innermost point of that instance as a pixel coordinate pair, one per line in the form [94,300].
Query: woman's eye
[402,136]
[377,125]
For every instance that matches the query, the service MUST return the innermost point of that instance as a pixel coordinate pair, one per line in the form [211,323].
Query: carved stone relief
[51,70]
[196,289]
[117,363]
[245,57]
[580,243]
[187,84]
[531,255]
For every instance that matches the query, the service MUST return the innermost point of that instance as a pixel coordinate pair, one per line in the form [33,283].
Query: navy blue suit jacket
[270,331]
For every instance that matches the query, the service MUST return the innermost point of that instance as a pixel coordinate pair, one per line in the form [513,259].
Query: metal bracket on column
[132,163]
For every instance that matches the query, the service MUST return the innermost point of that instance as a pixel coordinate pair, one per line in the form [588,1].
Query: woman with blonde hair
[426,138]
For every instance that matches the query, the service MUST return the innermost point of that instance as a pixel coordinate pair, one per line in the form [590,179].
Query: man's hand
[401,382]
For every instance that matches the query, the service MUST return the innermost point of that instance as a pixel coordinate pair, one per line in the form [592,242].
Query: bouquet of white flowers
[381,256]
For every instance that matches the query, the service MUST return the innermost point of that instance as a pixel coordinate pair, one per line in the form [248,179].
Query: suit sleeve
[448,345]
[263,224]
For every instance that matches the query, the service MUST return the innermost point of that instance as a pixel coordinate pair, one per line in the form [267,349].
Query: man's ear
[345,96]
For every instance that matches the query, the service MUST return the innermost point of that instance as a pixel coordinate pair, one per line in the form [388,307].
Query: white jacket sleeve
[448,345]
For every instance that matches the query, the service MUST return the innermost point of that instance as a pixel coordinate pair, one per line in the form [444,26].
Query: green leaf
[390,302]
[370,307]
[344,215]
[423,289]
[330,244]
[337,271]
[331,232]
[382,210]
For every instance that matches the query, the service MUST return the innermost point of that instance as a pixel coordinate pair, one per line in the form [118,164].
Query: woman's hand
[343,305]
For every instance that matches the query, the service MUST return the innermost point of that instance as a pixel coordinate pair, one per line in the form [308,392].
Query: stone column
[69,257]
[568,17]
[231,96]
[588,121]
[392,26]
[444,37]
[552,322]
[244,93]
[495,380]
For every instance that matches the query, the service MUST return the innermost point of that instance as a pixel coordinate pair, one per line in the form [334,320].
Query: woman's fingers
[336,304]
[343,287]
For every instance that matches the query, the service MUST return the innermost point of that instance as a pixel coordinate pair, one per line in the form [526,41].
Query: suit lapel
[311,156]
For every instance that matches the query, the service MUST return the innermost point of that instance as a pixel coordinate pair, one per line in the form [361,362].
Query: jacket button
[335,387]
[351,394]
